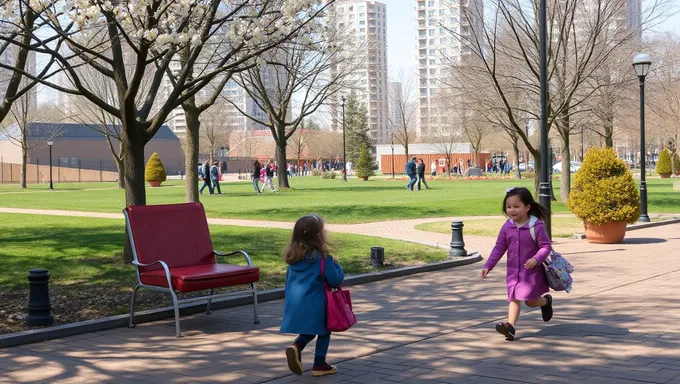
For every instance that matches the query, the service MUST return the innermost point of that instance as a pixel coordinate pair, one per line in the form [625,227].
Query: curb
[77,328]
[636,226]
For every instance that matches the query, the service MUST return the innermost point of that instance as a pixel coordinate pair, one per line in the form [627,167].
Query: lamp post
[392,146]
[581,131]
[49,144]
[544,190]
[344,150]
[641,63]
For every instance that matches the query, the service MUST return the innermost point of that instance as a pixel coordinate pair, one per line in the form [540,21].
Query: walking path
[620,324]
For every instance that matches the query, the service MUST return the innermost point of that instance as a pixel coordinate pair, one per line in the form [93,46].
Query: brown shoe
[323,370]
[293,357]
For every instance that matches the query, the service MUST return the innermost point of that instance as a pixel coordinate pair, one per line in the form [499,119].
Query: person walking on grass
[215,177]
[256,176]
[304,308]
[525,278]
[269,176]
[433,168]
[411,172]
[205,173]
[420,170]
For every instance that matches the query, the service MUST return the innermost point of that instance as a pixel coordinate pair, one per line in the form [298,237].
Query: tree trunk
[135,191]
[24,160]
[121,171]
[191,148]
[515,149]
[281,160]
[609,132]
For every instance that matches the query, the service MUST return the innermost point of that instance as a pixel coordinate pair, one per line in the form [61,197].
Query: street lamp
[344,150]
[49,144]
[641,63]
[392,146]
[544,190]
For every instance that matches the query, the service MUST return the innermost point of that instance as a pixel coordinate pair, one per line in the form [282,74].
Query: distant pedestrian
[269,176]
[525,278]
[507,168]
[433,168]
[411,172]
[215,177]
[257,167]
[420,170]
[205,173]
[304,309]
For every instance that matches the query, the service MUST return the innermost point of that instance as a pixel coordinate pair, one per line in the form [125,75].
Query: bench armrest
[250,262]
[162,263]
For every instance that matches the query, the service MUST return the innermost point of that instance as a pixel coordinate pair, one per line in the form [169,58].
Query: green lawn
[561,227]
[88,279]
[353,202]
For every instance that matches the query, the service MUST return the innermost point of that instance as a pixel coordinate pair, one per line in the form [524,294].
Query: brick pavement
[621,324]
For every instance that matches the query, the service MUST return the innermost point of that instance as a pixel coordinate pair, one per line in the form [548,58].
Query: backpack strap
[532,223]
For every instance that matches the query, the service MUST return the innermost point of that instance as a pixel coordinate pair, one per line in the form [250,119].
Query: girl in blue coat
[304,310]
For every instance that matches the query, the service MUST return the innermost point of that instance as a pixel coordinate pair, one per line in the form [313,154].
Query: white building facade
[366,22]
[440,25]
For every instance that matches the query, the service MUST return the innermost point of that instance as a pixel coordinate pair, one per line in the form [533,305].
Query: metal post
[582,156]
[51,184]
[544,190]
[39,308]
[644,217]
[392,146]
[457,243]
[344,150]
[101,176]
[37,170]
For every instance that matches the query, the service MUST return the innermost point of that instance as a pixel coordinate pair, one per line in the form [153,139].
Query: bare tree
[312,68]
[298,143]
[403,106]
[216,129]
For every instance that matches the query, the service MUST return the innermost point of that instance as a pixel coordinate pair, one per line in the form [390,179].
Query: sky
[401,34]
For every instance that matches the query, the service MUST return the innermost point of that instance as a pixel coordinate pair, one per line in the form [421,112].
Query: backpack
[557,269]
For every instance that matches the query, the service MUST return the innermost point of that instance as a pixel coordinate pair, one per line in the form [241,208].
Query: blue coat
[304,309]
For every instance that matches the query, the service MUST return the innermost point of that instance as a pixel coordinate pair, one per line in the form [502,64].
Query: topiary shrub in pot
[154,173]
[664,166]
[604,195]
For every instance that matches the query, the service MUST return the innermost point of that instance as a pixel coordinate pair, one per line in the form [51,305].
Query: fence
[40,173]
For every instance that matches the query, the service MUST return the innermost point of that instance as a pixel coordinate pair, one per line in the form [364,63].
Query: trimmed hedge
[366,166]
[155,170]
[604,190]
[664,166]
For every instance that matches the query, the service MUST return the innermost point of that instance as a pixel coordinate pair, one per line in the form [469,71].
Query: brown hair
[308,236]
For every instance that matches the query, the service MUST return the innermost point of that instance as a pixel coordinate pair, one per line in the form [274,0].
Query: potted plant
[604,195]
[365,166]
[155,171]
[664,167]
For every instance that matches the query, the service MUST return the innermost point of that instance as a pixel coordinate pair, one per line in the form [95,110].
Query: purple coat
[523,284]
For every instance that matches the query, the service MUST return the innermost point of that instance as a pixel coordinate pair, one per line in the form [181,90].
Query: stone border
[72,329]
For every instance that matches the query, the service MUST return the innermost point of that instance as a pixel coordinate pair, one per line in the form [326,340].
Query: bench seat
[201,277]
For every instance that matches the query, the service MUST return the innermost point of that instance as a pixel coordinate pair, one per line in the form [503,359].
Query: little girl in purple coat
[525,277]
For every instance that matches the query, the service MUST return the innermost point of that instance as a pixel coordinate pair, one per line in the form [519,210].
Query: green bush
[365,167]
[664,166]
[155,170]
[676,162]
[316,172]
[328,175]
[604,190]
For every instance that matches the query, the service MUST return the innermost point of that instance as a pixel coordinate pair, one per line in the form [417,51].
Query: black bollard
[39,308]
[457,243]
[377,256]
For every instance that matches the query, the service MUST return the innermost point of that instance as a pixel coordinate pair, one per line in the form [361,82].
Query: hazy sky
[401,34]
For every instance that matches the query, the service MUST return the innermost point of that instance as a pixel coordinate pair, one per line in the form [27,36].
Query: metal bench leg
[174,304]
[208,311]
[257,320]
[132,306]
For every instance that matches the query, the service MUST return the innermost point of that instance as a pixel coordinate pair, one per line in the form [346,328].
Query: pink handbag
[339,315]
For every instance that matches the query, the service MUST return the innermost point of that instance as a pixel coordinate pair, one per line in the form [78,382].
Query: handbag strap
[323,275]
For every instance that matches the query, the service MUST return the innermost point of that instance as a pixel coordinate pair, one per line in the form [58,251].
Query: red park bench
[173,252]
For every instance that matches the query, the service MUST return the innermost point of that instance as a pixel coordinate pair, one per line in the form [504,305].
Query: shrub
[664,166]
[328,175]
[676,162]
[365,166]
[155,170]
[604,190]
[316,172]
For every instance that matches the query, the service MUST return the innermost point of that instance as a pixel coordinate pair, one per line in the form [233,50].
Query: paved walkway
[620,324]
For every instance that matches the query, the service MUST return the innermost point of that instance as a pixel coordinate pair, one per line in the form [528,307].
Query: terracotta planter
[677,173]
[665,175]
[610,233]
[155,183]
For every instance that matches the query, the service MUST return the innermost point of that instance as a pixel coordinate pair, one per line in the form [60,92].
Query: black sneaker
[293,357]
[506,330]
[547,310]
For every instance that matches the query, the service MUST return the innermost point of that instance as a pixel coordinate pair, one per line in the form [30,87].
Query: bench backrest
[177,234]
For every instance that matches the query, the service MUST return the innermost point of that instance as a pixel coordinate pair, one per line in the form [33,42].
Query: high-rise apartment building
[366,23]
[8,57]
[442,25]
